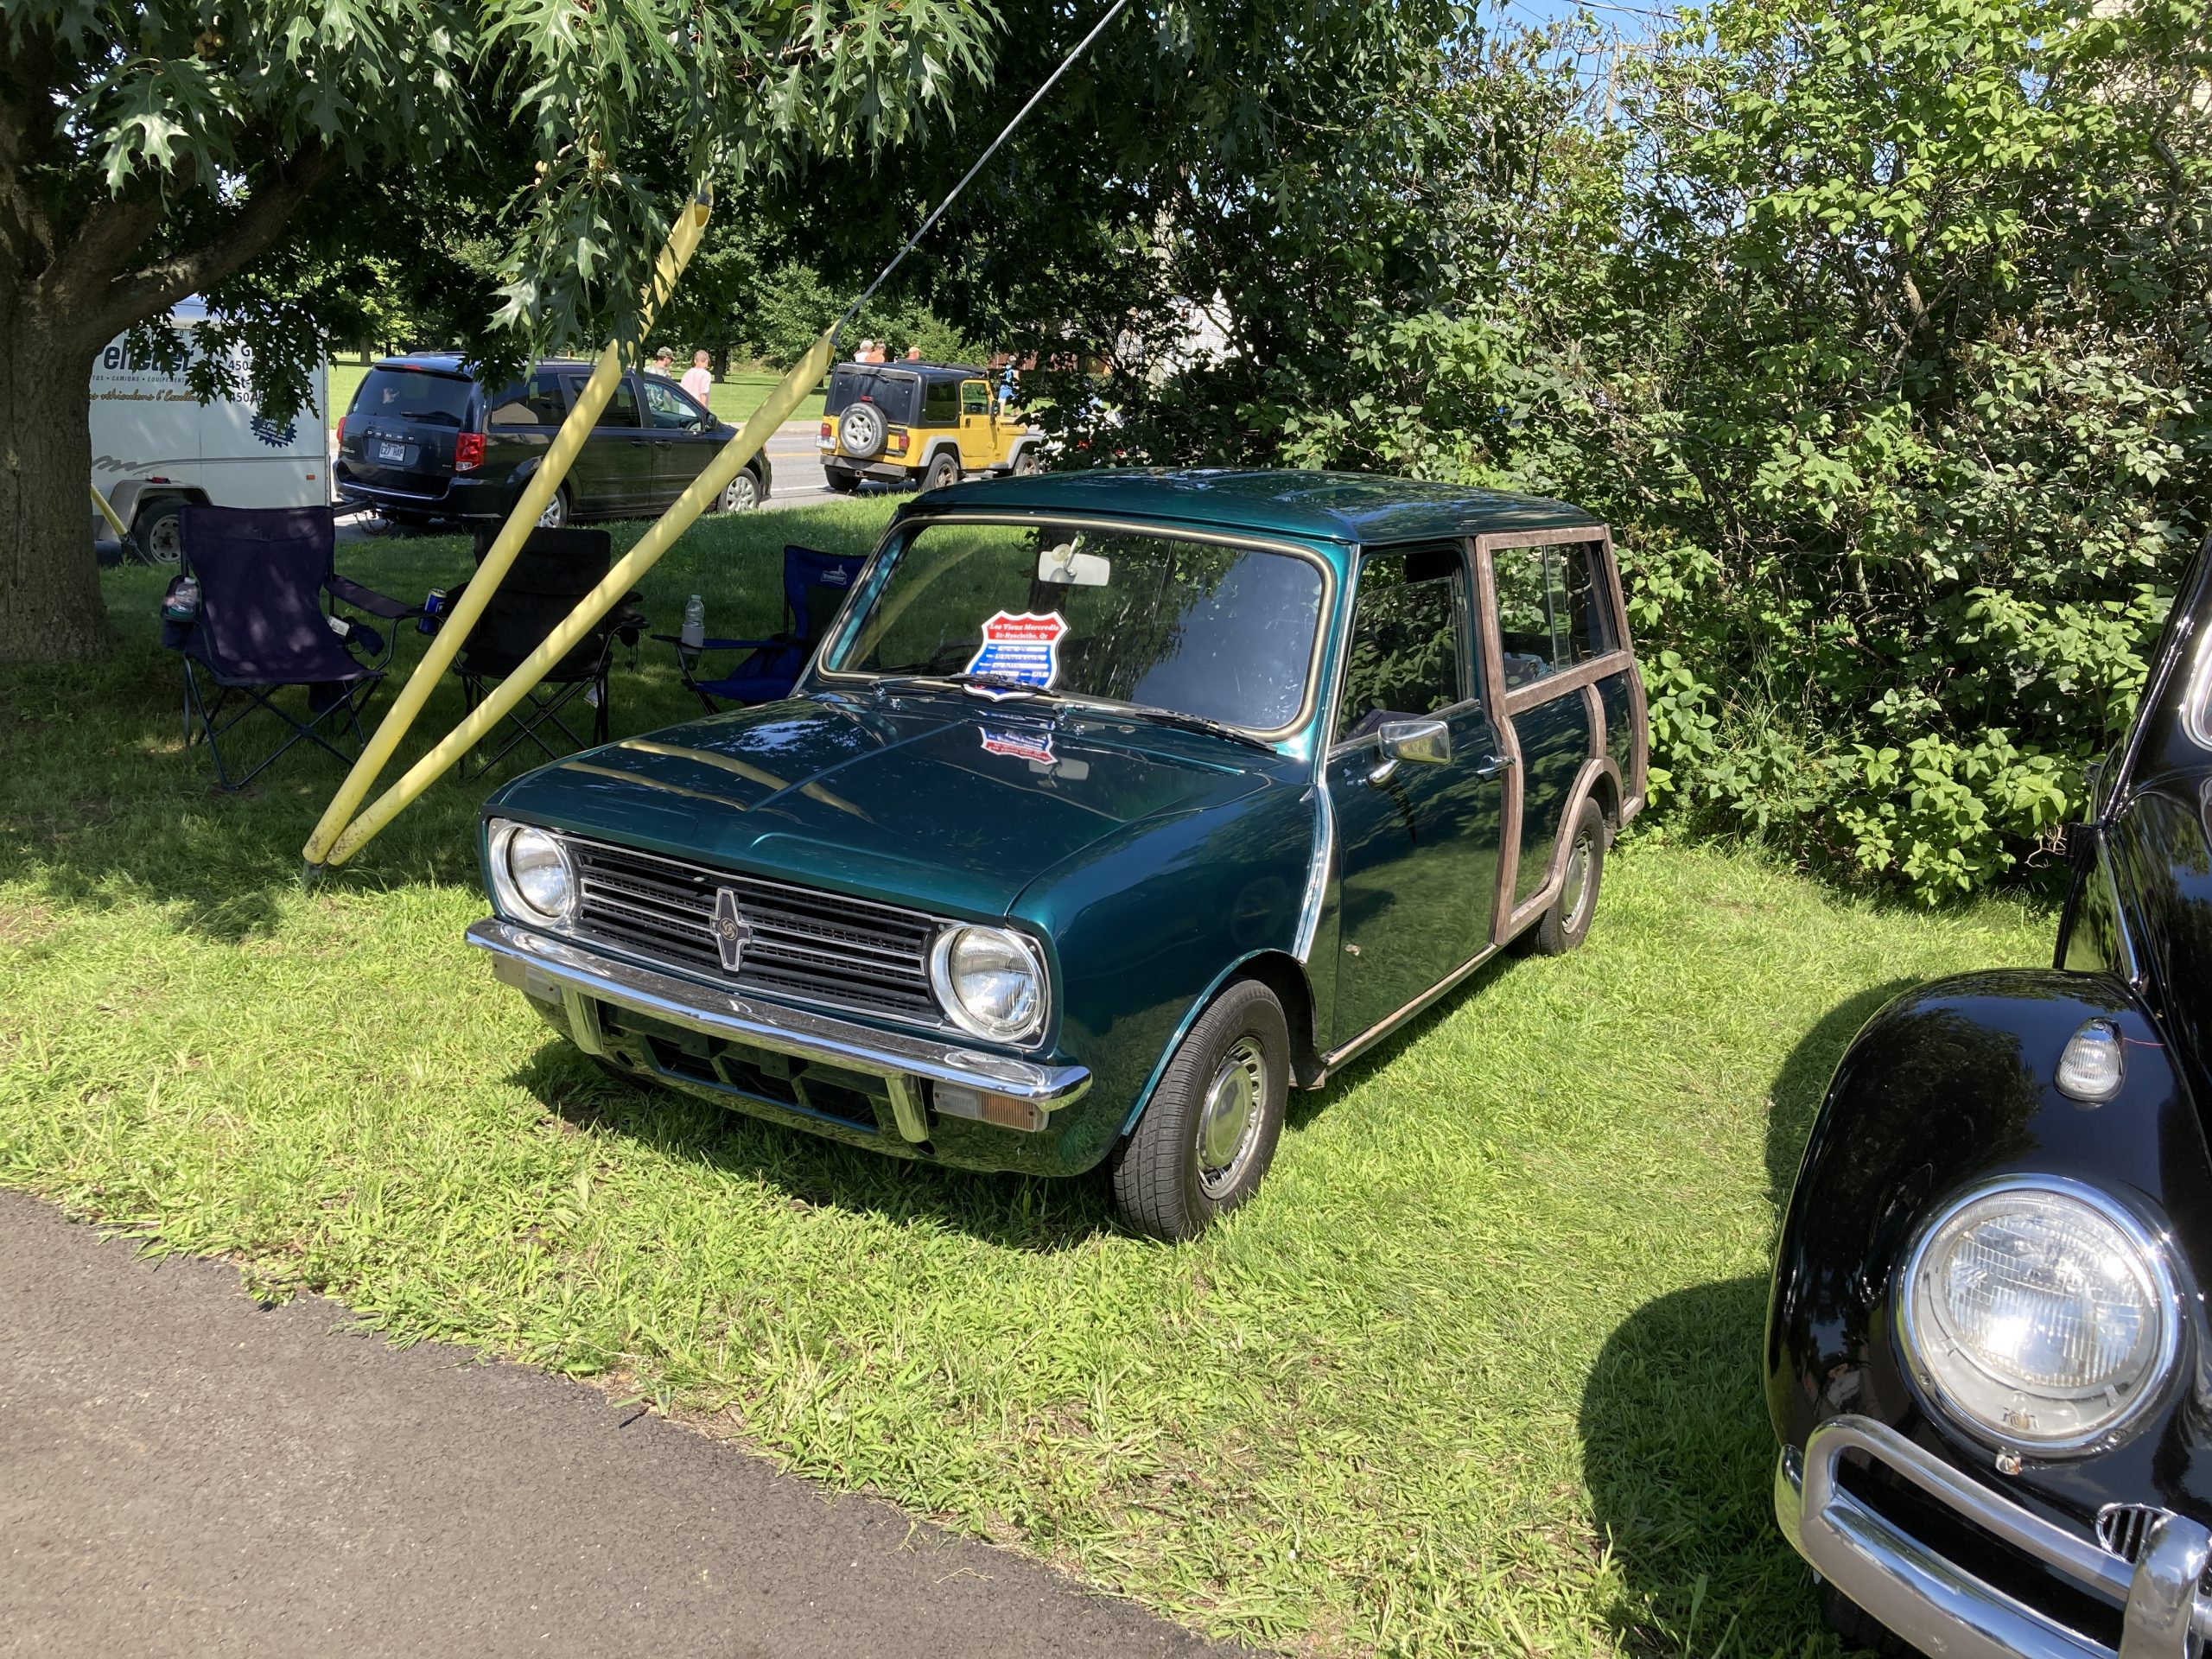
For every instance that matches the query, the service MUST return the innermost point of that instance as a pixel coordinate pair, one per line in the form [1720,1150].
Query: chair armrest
[348,592]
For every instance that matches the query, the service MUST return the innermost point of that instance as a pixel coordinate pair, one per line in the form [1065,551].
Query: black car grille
[810,946]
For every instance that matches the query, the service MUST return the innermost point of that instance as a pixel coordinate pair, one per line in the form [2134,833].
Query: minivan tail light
[342,431]
[467,452]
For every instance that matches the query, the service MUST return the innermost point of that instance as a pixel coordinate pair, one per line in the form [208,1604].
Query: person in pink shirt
[699,379]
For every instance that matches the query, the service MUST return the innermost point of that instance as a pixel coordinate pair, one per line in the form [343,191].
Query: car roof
[927,371]
[453,363]
[1363,508]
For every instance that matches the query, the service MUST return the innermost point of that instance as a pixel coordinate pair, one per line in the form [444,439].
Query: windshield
[892,390]
[1225,633]
[415,395]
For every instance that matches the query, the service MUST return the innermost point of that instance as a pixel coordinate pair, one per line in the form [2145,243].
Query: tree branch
[252,231]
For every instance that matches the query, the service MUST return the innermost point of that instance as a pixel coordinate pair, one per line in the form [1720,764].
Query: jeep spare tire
[862,431]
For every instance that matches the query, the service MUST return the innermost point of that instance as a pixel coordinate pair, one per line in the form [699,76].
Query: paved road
[182,1473]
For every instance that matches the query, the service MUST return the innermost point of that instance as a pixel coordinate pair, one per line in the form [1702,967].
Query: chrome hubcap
[1228,1120]
[1574,891]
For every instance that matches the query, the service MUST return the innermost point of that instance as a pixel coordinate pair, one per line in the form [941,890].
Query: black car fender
[1951,1084]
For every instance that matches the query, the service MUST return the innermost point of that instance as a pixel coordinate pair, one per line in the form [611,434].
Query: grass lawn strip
[1477,1373]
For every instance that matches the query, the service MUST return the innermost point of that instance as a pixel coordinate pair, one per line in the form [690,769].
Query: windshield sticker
[1020,646]
[1026,745]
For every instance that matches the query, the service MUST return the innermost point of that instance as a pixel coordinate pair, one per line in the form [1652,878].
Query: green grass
[732,399]
[1477,1373]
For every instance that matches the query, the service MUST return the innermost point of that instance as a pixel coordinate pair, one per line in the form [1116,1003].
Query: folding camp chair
[815,587]
[554,571]
[260,626]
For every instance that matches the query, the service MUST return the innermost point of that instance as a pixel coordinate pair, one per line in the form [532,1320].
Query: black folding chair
[554,571]
[815,588]
[260,626]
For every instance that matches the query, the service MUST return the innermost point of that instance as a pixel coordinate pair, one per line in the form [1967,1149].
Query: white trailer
[155,447]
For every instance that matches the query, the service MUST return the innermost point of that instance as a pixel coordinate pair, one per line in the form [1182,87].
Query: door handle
[1502,763]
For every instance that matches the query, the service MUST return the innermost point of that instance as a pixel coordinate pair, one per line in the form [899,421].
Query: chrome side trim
[1939,1607]
[554,970]
[1317,872]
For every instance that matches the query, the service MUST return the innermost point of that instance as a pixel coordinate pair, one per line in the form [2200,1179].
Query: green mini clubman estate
[1113,804]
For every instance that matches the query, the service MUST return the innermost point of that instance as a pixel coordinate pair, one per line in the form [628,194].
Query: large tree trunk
[51,609]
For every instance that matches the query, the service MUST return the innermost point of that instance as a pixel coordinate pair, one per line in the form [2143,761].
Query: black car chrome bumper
[580,981]
[1940,1608]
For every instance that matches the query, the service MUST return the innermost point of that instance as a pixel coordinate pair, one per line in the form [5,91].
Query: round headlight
[530,870]
[990,981]
[2040,1313]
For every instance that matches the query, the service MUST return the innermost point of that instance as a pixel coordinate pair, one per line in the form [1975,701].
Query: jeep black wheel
[843,482]
[1210,1129]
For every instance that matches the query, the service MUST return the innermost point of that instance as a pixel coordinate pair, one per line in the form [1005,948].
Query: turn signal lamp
[897,444]
[2094,1063]
[829,429]
[1005,1110]
[467,452]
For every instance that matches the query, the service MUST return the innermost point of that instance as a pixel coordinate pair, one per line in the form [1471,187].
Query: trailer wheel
[158,530]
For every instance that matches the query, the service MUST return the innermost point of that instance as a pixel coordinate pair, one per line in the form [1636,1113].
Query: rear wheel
[740,494]
[159,530]
[943,473]
[1566,923]
[842,482]
[556,510]
[1210,1131]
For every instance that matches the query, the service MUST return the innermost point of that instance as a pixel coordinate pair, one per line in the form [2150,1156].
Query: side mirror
[1421,743]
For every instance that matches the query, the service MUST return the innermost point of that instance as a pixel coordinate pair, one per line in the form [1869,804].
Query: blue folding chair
[815,589]
[260,626]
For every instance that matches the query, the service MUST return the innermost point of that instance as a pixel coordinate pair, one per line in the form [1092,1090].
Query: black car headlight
[532,876]
[2040,1313]
[989,981]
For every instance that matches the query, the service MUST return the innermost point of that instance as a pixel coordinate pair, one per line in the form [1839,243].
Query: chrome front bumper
[579,980]
[1942,1609]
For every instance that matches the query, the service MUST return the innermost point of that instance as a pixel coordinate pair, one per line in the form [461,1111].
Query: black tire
[157,529]
[840,482]
[740,494]
[1860,1630]
[1164,1184]
[558,511]
[1566,923]
[943,473]
[1026,463]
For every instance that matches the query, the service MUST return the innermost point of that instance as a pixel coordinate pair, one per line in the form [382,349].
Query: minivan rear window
[891,390]
[415,395]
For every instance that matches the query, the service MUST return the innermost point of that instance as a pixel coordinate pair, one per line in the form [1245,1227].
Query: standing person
[665,362]
[699,379]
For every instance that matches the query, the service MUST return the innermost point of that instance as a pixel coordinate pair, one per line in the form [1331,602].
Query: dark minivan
[423,440]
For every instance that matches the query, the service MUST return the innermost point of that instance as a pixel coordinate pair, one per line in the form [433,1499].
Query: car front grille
[810,946]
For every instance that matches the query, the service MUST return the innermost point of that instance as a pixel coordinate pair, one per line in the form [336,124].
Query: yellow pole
[683,241]
[620,581]
[122,530]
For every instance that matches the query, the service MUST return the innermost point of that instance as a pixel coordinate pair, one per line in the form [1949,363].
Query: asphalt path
[182,1472]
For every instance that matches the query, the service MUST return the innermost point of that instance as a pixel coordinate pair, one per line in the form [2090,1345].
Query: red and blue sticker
[1035,747]
[1022,646]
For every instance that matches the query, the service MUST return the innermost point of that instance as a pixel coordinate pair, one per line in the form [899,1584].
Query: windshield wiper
[1177,718]
[979,682]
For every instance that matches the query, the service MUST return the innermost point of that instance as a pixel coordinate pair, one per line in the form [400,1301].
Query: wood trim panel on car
[1537,902]
[1508,742]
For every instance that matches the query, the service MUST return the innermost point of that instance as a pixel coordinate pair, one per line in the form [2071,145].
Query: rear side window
[1555,608]
[941,403]
[1406,659]
[538,403]
[415,395]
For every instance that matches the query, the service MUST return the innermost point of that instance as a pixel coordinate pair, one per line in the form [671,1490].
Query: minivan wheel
[943,473]
[160,530]
[1210,1129]
[556,510]
[740,494]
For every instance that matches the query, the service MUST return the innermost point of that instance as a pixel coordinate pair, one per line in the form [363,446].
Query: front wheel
[1210,1131]
[740,494]
[1566,923]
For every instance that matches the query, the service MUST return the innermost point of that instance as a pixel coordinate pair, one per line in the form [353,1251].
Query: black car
[1987,1353]
[423,440]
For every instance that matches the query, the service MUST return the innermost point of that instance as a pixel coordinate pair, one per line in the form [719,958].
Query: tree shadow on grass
[1677,1451]
[1021,1213]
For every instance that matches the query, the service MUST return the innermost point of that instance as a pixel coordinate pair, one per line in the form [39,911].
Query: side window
[670,408]
[1555,608]
[538,403]
[621,409]
[1407,626]
[940,403]
[975,398]
[1582,608]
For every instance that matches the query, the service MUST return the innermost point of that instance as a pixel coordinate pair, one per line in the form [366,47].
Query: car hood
[931,800]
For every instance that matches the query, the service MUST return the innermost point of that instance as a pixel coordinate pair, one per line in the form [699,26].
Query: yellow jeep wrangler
[925,423]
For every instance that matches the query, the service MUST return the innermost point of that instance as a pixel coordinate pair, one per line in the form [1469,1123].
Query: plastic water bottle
[695,623]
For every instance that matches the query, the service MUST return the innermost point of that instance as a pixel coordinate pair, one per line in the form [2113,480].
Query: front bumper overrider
[1941,1608]
[581,981]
